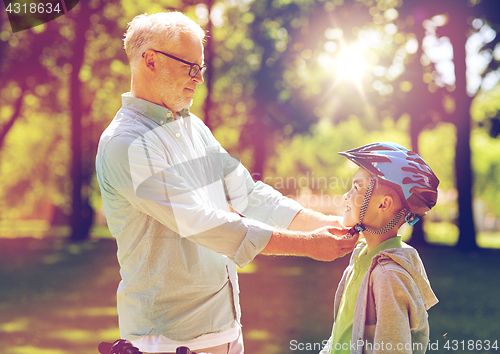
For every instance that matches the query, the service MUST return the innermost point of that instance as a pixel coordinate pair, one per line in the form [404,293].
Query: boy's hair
[385,189]
[154,30]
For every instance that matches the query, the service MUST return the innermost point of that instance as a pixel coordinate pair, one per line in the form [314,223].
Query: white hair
[151,31]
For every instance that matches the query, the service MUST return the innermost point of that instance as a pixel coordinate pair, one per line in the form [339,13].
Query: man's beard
[176,101]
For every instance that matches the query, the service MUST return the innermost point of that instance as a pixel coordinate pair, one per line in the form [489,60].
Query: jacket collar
[407,257]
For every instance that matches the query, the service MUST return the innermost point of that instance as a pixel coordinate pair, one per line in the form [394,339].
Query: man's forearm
[324,244]
[286,243]
[309,220]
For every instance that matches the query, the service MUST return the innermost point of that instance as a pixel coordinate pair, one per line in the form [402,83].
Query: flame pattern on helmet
[402,169]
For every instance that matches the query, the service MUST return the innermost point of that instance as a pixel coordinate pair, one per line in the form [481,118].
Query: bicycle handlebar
[105,348]
[122,346]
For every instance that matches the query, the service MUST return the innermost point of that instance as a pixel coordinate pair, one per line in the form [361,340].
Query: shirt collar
[393,242]
[157,113]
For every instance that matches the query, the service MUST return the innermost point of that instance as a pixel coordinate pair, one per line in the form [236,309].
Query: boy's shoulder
[405,251]
[404,260]
[405,257]
[403,265]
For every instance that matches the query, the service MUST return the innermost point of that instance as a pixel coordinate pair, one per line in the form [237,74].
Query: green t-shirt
[342,330]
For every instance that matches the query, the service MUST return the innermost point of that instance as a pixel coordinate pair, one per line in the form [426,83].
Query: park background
[289,84]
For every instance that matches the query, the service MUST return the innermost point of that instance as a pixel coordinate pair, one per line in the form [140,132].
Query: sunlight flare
[349,63]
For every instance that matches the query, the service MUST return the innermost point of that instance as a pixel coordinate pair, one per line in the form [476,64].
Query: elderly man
[166,184]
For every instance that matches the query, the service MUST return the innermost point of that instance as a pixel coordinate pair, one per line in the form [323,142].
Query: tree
[78,61]
[458,29]
[27,80]
[273,76]
[81,213]
[463,168]
[279,82]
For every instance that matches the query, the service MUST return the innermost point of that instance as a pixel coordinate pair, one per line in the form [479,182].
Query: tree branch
[17,113]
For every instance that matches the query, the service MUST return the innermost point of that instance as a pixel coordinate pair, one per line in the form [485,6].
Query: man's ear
[149,59]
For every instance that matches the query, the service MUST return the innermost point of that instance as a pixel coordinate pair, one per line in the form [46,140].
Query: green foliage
[274,66]
[314,157]
[442,233]
[36,155]
[34,167]
[486,105]
[486,149]
[486,165]
[437,148]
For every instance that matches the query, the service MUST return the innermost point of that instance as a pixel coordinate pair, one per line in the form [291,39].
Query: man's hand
[324,244]
[329,243]
[310,220]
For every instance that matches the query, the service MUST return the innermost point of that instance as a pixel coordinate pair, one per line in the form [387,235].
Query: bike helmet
[403,170]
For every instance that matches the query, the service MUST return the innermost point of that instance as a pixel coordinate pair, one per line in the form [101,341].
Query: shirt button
[169,114]
[161,122]
[177,134]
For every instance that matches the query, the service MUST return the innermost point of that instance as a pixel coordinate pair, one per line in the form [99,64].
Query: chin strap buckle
[359,227]
[356,229]
[411,219]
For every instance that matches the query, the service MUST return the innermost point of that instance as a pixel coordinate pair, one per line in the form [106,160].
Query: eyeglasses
[194,68]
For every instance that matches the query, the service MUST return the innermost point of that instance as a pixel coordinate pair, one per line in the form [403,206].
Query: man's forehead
[187,46]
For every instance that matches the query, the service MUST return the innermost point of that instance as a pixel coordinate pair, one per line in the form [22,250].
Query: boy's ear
[386,203]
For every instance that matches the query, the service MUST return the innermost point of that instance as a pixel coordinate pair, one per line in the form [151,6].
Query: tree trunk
[413,101]
[463,169]
[79,219]
[417,113]
[4,129]
[417,235]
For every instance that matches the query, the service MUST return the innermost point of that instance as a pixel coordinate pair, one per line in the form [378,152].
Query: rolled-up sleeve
[256,200]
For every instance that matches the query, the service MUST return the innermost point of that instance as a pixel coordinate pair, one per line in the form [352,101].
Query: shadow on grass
[60,299]
[57,298]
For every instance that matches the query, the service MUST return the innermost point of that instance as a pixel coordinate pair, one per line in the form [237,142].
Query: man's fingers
[345,238]
[348,244]
[337,231]
[348,241]
[331,243]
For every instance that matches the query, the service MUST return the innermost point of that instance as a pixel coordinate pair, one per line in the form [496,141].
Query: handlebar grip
[105,348]
[120,346]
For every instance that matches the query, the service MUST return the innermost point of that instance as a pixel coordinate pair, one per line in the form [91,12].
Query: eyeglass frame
[201,69]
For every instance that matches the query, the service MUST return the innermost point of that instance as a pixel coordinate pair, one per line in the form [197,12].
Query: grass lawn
[60,299]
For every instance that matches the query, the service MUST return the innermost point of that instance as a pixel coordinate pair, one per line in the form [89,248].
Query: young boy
[382,299]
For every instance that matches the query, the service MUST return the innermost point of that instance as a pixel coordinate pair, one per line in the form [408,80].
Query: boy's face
[354,198]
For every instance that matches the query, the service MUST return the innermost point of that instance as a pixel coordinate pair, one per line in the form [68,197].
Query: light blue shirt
[166,185]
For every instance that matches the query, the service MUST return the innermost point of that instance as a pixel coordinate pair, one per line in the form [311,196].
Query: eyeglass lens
[195,68]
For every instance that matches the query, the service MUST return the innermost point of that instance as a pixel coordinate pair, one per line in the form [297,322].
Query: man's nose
[198,78]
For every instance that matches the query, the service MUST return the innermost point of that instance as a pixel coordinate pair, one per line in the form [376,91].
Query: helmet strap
[410,218]
[390,225]
[364,205]
[366,201]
